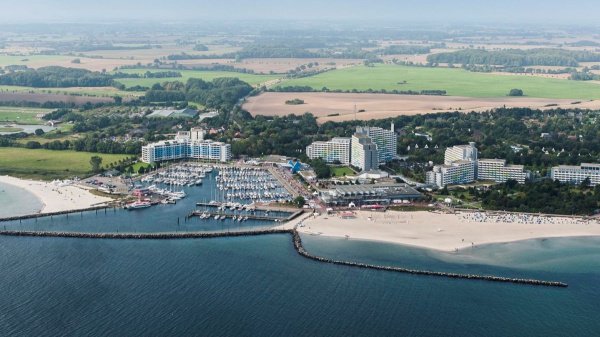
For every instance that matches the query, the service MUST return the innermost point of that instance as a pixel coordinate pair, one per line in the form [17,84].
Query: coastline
[447,232]
[56,197]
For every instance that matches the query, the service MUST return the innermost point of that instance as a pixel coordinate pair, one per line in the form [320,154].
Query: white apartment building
[460,152]
[364,152]
[187,144]
[335,150]
[386,140]
[462,166]
[457,172]
[577,174]
[497,170]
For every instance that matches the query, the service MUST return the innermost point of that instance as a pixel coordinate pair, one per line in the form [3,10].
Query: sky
[431,11]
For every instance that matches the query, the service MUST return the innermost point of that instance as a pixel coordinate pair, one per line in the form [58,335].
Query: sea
[260,286]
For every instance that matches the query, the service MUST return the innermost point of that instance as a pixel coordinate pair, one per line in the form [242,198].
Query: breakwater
[300,249]
[298,246]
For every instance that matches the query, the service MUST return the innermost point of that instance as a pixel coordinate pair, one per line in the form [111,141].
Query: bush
[515,92]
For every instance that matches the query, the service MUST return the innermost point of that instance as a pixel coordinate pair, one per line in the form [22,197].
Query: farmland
[327,106]
[82,91]
[187,74]
[49,164]
[456,82]
[22,115]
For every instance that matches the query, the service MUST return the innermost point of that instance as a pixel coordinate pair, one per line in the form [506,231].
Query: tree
[96,163]
[39,132]
[299,201]
[515,92]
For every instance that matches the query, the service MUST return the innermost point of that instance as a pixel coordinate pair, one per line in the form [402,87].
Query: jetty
[298,246]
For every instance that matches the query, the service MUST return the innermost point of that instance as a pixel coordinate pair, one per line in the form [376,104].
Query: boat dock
[215,211]
[230,216]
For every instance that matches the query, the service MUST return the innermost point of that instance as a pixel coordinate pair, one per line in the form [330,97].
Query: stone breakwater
[300,249]
[298,246]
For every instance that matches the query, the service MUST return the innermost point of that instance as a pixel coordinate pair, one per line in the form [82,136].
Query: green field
[83,91]
[33,60]
[47,164]
[457,82]
[22,115]
[342,171]
[187,74]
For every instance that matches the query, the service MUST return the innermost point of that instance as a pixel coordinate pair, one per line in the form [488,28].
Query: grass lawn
[341,171]
[456,82]
[137,166]
[22,115]
[187,74]
[47,164]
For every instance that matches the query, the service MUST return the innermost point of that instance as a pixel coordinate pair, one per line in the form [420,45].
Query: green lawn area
[136,166]
[22,115]
[187,74]
[341,171]
[457,82]
[47,164]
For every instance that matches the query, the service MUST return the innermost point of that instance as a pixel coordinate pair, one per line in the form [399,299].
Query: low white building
[577,174]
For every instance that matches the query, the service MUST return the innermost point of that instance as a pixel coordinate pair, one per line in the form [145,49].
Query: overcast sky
[468,11]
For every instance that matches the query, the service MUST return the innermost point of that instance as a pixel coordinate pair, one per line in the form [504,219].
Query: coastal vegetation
[546,196]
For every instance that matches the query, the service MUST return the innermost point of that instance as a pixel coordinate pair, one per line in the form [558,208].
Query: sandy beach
[57,197]
[447,232]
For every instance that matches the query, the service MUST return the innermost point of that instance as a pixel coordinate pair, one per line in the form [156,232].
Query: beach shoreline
[57,197]
[447,232]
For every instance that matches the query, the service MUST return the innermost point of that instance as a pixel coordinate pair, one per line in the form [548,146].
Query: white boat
[138,205]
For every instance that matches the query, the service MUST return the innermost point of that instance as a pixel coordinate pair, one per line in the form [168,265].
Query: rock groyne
[298,246]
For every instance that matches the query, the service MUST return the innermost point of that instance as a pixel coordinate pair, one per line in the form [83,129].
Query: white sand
[447,232]
[56,198]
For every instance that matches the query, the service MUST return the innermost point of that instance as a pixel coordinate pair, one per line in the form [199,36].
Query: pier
[249,216]
[298,246]
[42,215]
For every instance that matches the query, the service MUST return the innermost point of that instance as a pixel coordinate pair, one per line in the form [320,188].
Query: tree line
[516,57]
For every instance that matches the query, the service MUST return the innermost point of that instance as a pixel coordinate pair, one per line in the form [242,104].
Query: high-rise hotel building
[386,140]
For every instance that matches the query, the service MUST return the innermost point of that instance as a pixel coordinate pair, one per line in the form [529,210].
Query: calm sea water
[17,201]
[259,286]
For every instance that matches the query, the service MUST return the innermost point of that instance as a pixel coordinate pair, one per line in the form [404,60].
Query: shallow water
[17,201]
